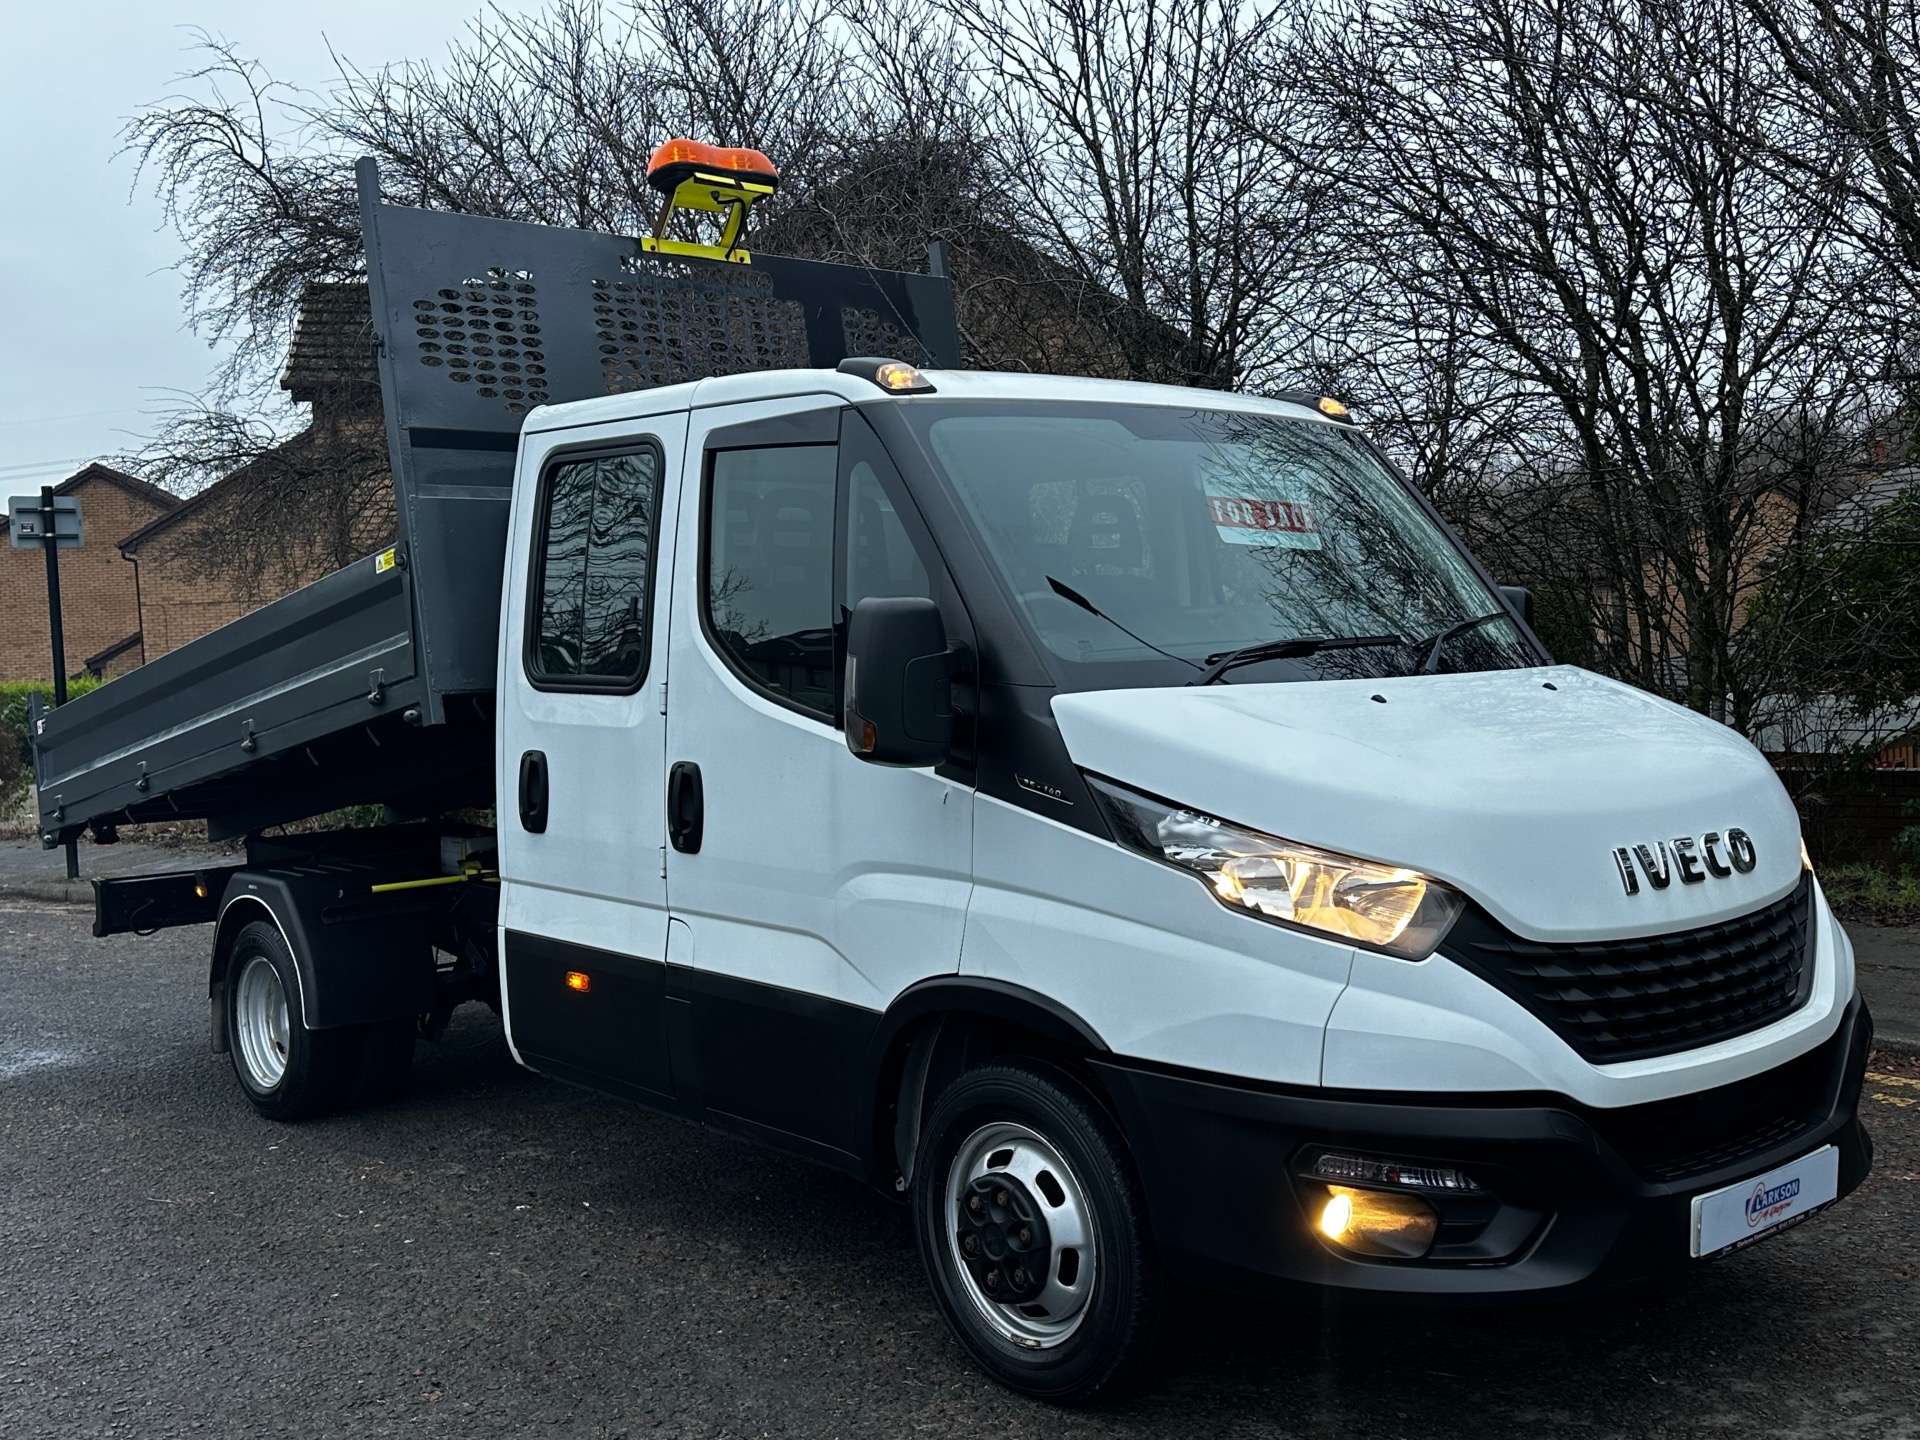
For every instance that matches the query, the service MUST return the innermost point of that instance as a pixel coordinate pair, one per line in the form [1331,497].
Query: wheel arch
[352,968]
[940,1027]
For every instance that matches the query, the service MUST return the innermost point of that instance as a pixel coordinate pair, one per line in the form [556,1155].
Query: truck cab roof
[947,384]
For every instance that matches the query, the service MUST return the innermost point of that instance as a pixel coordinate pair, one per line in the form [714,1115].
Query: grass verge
[1873,894]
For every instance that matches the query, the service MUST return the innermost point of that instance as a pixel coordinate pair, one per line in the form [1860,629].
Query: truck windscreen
[1195,533]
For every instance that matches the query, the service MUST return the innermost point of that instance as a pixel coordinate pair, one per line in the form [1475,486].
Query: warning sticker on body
[1244,519]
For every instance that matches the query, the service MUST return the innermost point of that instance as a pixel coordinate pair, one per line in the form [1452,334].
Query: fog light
[1379,1223]
[1338,1215]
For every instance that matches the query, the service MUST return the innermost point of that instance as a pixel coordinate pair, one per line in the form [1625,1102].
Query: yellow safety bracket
[713,180]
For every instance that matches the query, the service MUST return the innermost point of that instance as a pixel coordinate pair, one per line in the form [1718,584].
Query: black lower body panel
[782,1066]
[1580,1198]
[589,1015]
[788,1063]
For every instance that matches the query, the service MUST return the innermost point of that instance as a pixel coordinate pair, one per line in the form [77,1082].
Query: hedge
[16,767]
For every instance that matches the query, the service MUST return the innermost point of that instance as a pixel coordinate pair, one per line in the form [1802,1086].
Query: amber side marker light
[894,376]
[1330,406]
[579,981]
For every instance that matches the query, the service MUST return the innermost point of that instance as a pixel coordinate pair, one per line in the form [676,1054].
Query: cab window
[593,570]
[769,571]
[880,556]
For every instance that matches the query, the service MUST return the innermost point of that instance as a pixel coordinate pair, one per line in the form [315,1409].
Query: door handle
[533,792]
[686,807]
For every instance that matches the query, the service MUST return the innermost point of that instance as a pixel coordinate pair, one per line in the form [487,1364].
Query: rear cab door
[583,650]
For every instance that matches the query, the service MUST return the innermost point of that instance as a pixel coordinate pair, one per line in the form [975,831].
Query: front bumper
[1586,1198]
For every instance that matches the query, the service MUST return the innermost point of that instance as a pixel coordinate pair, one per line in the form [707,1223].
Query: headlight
[1383,907]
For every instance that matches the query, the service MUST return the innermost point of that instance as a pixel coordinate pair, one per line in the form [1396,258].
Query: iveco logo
[1692,858]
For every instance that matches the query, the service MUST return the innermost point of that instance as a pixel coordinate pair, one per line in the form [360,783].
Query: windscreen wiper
[1074,597]
[1291,649]
[1436,643]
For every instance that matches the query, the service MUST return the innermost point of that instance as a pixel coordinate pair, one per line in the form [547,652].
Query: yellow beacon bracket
[721,180]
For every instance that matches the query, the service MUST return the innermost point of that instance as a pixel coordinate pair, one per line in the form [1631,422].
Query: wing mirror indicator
[899,683]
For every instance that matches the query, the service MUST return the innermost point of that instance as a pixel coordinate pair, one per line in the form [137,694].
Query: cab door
[583,916]
[813,887]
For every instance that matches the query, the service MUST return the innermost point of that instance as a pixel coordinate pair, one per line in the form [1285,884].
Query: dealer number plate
[1738,1214]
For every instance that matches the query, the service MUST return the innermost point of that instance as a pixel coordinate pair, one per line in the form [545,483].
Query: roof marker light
[896,377]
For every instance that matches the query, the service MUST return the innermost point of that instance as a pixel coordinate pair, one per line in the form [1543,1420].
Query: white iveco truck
[1122,820]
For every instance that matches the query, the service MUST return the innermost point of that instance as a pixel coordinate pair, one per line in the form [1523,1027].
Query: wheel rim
[1032,1174]
[260,1022]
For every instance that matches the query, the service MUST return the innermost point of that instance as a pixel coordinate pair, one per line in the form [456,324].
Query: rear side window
[593,570]
[769,570]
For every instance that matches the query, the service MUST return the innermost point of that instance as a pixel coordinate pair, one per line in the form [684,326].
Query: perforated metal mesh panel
[869,332]
[485,332]
[660,318]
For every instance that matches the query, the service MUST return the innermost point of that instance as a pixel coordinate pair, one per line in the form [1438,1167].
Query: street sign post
[27,522]
[51,522]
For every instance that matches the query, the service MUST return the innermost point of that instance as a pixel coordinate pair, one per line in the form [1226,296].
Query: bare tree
[548,117]
[1671,338]
[292,508]
[259,215]
[888,135]
[1851,74]
[1114,122]
[1627,288]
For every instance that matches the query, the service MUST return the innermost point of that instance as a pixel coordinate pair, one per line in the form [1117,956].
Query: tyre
[1033,1232]
[288,1071]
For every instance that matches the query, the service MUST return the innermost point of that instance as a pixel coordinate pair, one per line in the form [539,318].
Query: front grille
[1711,1130]
[1615,1000]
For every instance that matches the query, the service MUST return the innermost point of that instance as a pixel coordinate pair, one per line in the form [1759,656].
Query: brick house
[99,587]
[287,517]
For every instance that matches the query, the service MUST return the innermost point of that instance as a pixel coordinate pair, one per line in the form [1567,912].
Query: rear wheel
[288,1071]
[1033,1232]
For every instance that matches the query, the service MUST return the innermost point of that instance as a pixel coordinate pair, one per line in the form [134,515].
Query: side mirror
[899,695]
[1521,599]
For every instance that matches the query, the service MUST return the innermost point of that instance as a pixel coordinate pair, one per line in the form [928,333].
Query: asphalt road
[502,1255]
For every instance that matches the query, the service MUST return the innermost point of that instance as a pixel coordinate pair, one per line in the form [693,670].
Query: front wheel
[1033,1232]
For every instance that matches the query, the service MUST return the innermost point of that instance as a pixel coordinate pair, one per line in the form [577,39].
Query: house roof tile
[332,347]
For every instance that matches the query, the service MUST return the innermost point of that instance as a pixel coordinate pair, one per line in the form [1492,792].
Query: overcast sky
[94,339]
